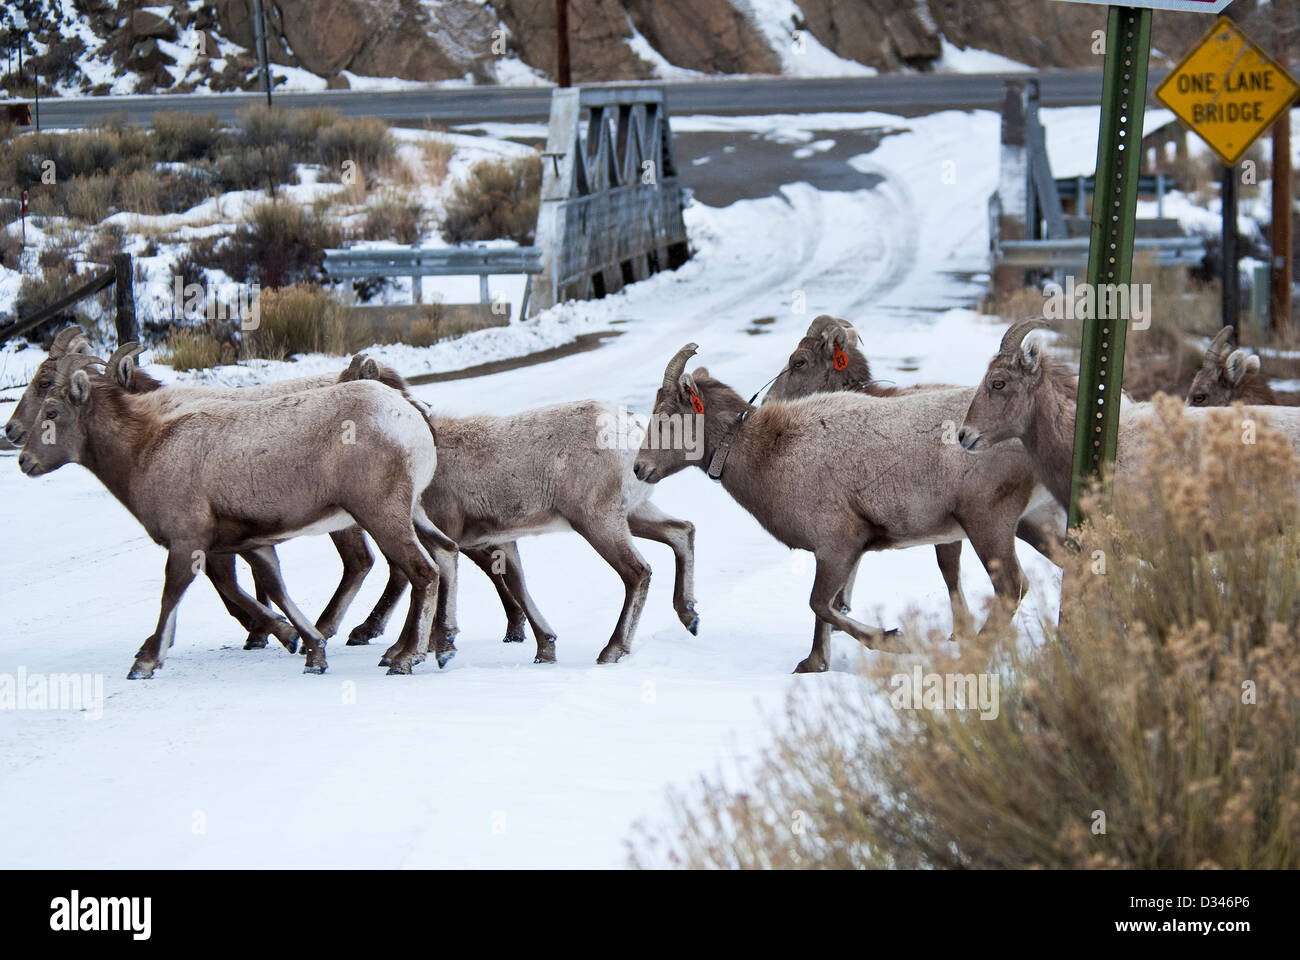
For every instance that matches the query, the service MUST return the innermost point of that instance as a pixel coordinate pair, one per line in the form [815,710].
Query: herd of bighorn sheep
[833,462]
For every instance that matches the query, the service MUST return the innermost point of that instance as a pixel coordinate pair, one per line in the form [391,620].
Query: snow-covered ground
[233,758]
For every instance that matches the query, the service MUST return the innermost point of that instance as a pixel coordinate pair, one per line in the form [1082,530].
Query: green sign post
[1110,254]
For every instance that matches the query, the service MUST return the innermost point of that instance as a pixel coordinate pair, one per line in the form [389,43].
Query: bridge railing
[611,210]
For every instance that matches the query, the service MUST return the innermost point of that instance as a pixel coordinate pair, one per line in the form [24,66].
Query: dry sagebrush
[1167,701]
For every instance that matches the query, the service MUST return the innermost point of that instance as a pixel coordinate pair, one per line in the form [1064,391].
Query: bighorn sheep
[239,477]
[350,543]
[1029,396]
[841,474]
[829,359]
[1229,376]
[500,478]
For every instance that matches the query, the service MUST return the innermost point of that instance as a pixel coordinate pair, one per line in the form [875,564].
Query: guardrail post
[124,298]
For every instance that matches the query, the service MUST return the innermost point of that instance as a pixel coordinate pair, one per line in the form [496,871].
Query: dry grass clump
[187,348]
[302,318]
[436,154]
[394,215]
[498,201]
[1157,728]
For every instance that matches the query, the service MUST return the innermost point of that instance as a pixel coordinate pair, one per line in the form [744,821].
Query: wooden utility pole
[1280,240]
[1279,304]
[263,52]
[562,77]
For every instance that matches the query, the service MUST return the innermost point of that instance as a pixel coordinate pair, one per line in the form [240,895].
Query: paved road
[907,94]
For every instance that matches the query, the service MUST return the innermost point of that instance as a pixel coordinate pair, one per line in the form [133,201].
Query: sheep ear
[1031,352]
[369,369]
[701,373]
[79,387]
[1238,365]
[686,386]
[1252,364]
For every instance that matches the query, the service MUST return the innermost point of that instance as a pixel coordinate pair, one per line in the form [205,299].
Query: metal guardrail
[1072,253]
[447,262]
[1148,185]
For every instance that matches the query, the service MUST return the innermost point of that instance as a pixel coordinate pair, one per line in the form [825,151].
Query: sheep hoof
[694,627]
[611,654]
[255,642]
[809,665]
[445,658]
[384,661]
[140,673]
[513,638]
[362,635]
[310,669]
[402,669]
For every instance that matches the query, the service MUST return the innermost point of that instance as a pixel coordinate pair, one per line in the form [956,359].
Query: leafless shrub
[498,200]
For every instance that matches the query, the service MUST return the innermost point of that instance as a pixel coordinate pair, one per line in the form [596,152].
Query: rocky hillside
[97,47]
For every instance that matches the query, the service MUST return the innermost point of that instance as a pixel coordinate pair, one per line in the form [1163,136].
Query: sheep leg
[833,570]
[374,624]
[178,575]
[442,643]
[357,561]
[488,560]
[514,577]
[221,571]
[845,599]
[257,630]
[949,557]
[403,550]
[650,523]
[613,541]
[1041,538]
[997,552]
[267,565]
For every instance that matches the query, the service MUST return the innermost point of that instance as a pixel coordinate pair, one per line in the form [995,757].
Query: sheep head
[1002,406]
[60,433]
[677,420]
[71,341]
[1223,373]
[825,360]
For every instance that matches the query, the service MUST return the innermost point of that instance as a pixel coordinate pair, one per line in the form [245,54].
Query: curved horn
[71,363]
[1219,348]
[677,365]
[66,340]
[1016,333]
[130,349]
[821,323]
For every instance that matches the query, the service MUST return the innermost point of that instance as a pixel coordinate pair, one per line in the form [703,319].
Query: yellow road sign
[1228,90]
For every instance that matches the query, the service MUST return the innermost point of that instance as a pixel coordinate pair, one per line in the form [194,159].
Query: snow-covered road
[233,758]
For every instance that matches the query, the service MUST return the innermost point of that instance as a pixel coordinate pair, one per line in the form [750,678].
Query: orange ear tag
[841,359]
[696,402]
